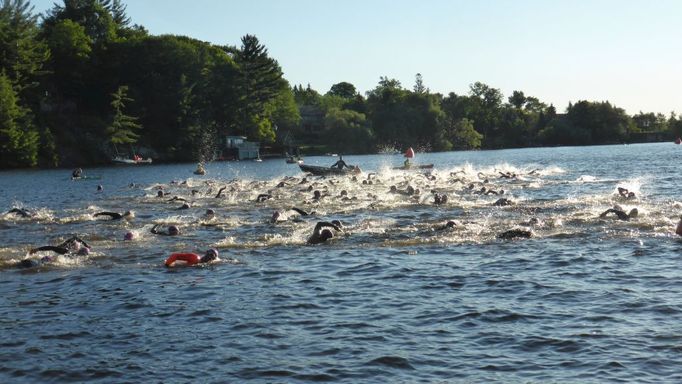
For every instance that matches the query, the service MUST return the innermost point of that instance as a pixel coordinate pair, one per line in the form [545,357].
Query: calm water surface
[585,300]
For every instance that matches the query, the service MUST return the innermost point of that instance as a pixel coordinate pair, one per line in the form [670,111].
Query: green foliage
[18,140]
[347,131]
[343,89]
[123,127]
[92,15]
[22,52]
[260,82]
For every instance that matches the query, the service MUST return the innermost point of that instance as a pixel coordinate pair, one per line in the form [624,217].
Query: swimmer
[278,216]
[192,258]
[503,202]
[220,192]
[263,197]
[129,236]
[172,230]
[679,227]
[507,175]
[184,206]
[161,193]
[74,244]
[515,233]
[320,235]
[624,193]
[100,188]
[209,214]
[439,199]
[620,213]
[450,224]
[176,198]
[21,212]
[117,216]
[77,173]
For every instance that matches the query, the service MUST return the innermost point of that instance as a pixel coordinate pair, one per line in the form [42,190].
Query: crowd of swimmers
[323,230]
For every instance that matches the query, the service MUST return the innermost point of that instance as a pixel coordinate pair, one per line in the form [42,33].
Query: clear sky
[627,52]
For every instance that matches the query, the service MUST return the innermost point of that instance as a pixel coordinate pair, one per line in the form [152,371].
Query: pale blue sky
[627,52]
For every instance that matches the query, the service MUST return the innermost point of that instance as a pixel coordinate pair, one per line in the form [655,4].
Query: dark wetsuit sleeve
[59,250]
[113,215]
[300,211]
[220,192]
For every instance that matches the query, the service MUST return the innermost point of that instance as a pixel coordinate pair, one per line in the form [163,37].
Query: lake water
[390,299]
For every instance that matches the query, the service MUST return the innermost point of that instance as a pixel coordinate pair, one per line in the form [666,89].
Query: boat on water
[86,177]
[294,160]
[415,167]
[326,171]
[135,160]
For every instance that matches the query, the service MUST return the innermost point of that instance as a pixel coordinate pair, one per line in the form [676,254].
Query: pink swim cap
[128,236]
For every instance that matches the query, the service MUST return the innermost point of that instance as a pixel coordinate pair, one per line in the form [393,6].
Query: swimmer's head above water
[210,255]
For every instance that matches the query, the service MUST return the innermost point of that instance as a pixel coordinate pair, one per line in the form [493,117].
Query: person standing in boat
[340,164]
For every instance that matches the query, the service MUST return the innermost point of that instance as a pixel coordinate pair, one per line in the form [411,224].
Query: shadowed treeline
[82,83]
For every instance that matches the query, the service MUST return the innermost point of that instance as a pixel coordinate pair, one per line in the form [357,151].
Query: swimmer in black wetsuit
[77,173]
[679,227]
[74,244]
[448,225]
[620,213]
[277,215]
[439,199]
[172,230]
[320,235]
[117,216]
[515,233]
[220,192]
[262,197]
[21,212]
[624,193]
[502,202]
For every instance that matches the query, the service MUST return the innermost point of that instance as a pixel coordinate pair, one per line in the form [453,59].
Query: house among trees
[238,148]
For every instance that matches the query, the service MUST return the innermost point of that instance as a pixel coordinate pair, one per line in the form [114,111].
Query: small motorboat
[327,171]
[135,160]
[410,167]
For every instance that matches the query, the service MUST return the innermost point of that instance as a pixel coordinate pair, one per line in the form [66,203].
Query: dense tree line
[82,83]
[394,117]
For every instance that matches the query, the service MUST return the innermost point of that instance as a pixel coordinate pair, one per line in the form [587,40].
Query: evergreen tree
[261,81]
[123,127]
[22,53]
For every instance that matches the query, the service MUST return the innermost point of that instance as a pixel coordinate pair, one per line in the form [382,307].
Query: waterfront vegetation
[82,82]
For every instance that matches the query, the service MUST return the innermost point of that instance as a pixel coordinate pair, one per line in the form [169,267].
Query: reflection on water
[398,295]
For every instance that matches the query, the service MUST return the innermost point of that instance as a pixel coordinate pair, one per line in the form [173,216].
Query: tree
[260,82]
[118,12]
[22,52]
[123,127]
[517,99]
[347,131]
[18,141]
[419,84]
[343,89]
[92,15]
